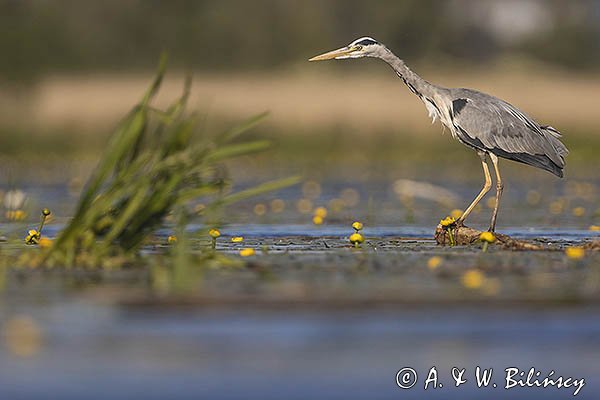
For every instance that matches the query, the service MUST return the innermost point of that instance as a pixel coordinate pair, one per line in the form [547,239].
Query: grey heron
[484,123]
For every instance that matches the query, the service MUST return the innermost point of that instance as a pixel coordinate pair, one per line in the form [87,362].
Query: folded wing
[488,123]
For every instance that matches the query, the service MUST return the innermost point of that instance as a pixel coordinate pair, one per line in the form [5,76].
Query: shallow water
[95,351]
[333,323]
[410,231]
[313,318]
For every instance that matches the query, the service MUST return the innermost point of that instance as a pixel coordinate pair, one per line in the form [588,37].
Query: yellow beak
[343,52]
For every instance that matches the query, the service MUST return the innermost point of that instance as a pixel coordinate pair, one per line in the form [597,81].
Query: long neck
[415,83]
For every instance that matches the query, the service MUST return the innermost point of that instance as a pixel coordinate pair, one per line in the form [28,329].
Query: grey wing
[490,124]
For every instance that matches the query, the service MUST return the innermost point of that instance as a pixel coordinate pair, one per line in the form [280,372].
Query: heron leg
[499,189]
[486,188]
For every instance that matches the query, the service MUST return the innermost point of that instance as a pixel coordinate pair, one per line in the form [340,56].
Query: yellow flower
[317,220]
[15,215]
[575,252]
[456,213]
[434,262]
[578,212]
[247,252]
[357,226]
[33,237]
[172,239]
[594,228]
[447,221]
[473,279]
[214,233]
[237,239]
[320,212]
[487,237]
[45,212]
[356,238]
[45,243]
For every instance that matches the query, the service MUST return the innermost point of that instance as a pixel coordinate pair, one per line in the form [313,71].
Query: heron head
[362,47]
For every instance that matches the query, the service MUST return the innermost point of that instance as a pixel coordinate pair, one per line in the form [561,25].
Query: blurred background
[71,69]
[367,150]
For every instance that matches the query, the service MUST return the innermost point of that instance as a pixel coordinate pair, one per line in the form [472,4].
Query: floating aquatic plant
[486,238]
[448,224]
[357,226]
[356,239]
[434,262]
[214,235]
[247,252]
[575,252]
[319,215]
[34,236]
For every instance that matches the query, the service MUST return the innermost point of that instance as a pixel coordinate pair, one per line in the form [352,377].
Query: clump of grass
[150,168]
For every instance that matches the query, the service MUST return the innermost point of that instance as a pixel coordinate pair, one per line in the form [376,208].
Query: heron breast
[431,109]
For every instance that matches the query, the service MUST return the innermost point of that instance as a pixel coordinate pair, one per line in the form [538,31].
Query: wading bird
[486,124]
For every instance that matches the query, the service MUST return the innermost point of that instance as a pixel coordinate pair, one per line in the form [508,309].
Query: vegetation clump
[150,168]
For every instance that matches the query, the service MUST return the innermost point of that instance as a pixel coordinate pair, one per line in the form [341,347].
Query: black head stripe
[366,42]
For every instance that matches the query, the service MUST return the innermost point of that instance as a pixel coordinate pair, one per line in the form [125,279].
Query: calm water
[94,351]
[90,344]
[537,204]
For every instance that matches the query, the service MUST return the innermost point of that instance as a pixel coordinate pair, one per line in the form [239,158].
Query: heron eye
[358,47]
